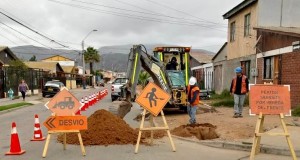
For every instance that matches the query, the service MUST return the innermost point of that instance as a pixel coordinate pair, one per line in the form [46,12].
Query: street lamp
[83,61]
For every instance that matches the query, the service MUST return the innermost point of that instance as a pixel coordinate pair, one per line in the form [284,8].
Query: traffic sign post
[269,100]
[153,99]
[64,105]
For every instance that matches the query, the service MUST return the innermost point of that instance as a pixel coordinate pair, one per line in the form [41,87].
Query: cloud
[71,24]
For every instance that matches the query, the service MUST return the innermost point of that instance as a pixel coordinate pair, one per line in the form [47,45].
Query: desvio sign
[270,99]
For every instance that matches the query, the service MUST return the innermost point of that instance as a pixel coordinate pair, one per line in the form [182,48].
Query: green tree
[91,56]
[143,77]
[18,65]
[33,58]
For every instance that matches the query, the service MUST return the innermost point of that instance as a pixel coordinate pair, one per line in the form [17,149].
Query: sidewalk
[269,144]
[31,99]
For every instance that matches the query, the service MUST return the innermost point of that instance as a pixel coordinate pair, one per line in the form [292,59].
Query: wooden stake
[46,145]
[168,130]
[259,132]
[152,128]
[140,132]
[288,138]
[64,132]
[65,141]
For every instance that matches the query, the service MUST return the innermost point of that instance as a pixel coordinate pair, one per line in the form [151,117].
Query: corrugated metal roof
[201,57]
[46,66]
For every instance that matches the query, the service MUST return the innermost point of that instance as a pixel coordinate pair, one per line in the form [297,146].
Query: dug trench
[104,128]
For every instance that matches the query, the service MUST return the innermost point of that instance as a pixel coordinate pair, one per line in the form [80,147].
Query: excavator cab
[176,62]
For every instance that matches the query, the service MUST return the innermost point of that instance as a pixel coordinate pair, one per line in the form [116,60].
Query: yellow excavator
[168,67]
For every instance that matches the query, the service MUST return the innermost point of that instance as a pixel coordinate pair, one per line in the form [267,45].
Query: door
[218,79]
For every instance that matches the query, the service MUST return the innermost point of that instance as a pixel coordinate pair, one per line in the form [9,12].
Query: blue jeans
[238,103]
[192,113]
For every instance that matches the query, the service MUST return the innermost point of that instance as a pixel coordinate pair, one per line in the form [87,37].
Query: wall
[4,59]
[222,55]
[242,46]
[269,13]
[290,75]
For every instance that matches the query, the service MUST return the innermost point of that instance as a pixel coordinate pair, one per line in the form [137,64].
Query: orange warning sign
[64,103]
[153,98]
[270,99]
[66,123]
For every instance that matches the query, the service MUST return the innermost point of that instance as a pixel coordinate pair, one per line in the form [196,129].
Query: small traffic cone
[86,102]
[93,99]
[97,95]
[15,148]
[83,108]
[37,133]
[90,102]
[78,112]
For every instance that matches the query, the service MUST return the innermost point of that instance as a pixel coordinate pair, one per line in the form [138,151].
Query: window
[247,25]
[268,67]
[232,31]
[246,68]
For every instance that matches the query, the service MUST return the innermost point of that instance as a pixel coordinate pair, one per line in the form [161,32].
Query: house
[204,76]
[241,35]
[278,58]
[53,68]
[202,68]
[72,73]
[6,56]
[221,80]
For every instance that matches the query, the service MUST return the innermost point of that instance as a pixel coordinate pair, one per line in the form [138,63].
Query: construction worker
[239,88]
[193,93]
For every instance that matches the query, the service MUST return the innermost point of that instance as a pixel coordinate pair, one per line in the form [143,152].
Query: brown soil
[201,131]
[228,128]
[105,128]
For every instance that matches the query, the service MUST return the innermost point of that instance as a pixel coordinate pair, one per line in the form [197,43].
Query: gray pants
[238,103]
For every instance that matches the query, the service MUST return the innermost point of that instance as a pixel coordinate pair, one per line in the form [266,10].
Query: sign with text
[64,103]
[270,99]
[153,98]
[56,123]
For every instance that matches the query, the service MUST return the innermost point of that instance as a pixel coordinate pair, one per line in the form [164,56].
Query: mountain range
[112,57]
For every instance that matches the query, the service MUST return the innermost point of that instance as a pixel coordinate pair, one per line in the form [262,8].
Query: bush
[296,111]
[225,94]
[225,103]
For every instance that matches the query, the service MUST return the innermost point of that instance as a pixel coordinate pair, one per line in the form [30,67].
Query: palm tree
[90,56]
[143,77]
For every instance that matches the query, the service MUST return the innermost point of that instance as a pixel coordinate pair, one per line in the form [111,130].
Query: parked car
[116,88]
[51,88]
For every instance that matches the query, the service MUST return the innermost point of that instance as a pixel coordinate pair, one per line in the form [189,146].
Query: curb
[267,149]
[13,109]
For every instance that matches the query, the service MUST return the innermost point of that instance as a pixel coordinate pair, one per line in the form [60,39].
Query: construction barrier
[37,133]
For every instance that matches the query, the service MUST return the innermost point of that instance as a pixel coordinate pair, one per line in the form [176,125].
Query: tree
[33,58]
[91,56]
[143,77]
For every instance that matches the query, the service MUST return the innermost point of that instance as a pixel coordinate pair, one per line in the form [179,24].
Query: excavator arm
[138,59]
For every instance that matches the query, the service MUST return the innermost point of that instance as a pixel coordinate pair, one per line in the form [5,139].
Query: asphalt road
[161,150]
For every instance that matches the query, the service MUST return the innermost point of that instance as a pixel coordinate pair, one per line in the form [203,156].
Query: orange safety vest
[244,85]
[197,100]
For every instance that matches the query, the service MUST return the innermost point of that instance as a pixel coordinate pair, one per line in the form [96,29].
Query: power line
[32,29]
[134,16]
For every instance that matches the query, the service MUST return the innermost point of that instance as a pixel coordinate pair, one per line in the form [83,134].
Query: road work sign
[270,99]
[66,123]
[64,103]
[153,98]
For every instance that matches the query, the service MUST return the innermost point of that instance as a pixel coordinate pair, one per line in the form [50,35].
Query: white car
[116,88]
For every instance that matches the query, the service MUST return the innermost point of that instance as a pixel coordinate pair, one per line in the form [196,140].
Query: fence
[205,79]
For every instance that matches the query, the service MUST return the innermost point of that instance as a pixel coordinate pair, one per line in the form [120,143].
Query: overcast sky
[196,23]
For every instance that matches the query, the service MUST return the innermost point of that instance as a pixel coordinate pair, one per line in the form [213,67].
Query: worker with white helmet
[193,93]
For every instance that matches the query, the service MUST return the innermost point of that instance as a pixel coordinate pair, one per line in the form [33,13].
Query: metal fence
[205,79]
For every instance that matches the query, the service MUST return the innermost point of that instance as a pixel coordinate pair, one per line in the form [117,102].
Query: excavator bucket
[120,108]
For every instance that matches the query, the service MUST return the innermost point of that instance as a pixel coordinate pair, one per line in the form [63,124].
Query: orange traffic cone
[15,148]
[37,133]
[83,108]
[86,103]
[90,102]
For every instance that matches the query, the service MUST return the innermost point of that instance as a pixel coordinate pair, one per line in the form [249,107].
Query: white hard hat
[192,81]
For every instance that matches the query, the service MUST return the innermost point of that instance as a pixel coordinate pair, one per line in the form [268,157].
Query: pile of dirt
[201,131]
[105,128]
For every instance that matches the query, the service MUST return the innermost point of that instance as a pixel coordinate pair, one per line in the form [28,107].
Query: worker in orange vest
[239,89]
[193,93]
